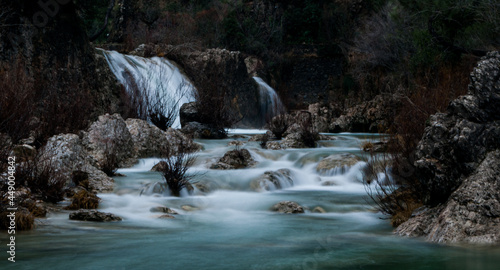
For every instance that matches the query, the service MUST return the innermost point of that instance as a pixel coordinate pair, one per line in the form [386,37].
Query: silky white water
[270,103]
[232,226]
[158,79]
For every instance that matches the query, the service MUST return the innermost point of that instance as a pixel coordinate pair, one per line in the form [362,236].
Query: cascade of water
[157,79]
[270,102]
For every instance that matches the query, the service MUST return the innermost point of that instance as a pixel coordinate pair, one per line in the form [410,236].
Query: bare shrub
[84,199]
[308,135]
[174,170]
[279,124]
[263,141]
[151,99]
[17,102]
[392,196]
[41,177]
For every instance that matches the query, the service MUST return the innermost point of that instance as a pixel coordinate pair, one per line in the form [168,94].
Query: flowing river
[231,227]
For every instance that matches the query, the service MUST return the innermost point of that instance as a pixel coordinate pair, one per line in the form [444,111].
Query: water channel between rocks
[231,227]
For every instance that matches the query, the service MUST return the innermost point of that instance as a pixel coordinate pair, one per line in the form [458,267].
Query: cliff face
[228,68]
[458,161]
[50,44]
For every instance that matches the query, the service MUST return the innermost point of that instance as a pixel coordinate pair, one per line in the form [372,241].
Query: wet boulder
[162,209]
[66,154]
[337,163]
[198,130]
[287,207]
[109,138]
[150,141]
[234,159]
[156,188]
[93,215]
[272,180]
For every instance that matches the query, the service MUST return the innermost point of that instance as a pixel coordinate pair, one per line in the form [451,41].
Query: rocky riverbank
[458,161]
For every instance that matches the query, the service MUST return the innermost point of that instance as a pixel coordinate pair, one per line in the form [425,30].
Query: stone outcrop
[471,214]
[287,207]
[66,154]
[107,136]
[234,159]
[150,141]
[337,163]
[229,66]
[272,180]
[457,141]
[93,215]
[163,209]
[56,54]
[110,135]
[458,161]
[197,130]
[371,116]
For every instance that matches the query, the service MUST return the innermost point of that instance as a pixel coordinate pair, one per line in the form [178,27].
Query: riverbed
[230,225]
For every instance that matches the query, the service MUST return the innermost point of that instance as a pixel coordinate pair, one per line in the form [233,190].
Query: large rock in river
[287,207]
[150,141]
[66,154]
[234,159]
[458,161]
[93,215]
[108,136]
[457,141]
[271,180]
[337,163]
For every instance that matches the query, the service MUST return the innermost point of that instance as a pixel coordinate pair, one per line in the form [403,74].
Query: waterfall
[158,80]
[270,102]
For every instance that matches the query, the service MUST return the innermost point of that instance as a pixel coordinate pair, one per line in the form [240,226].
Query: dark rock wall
[229,68]
[312,80]
[52,45]
[458,163]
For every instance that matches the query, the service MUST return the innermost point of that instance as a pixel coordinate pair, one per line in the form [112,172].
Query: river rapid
[231,227]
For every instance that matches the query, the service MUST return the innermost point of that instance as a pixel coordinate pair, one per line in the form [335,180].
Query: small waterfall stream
[270,103]
[231,227]
[157,77]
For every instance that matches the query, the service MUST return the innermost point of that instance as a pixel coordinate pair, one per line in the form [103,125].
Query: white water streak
[155,74]
[270,102]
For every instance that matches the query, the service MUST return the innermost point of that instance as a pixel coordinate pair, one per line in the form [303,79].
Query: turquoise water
[233,228]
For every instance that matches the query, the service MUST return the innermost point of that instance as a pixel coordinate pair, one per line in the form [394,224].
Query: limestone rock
[337,163]
[201,131]
[472,213]
[66,154]
[456,142]
[457,162]
[162,209]
[188,113]
[319,209]
[287,207]
[234,159]
[109,136]
[371,116]
[149,140]
[93,215]
[272,180]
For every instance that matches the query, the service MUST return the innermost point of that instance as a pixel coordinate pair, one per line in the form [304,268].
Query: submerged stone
[287,207]
[93,215]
